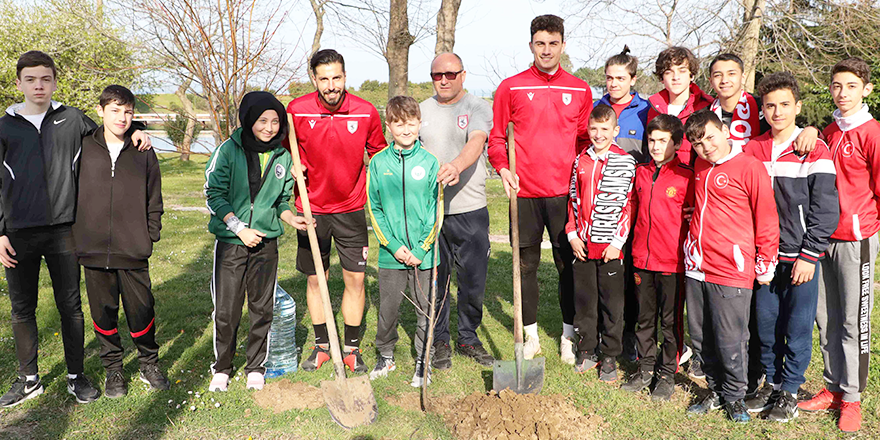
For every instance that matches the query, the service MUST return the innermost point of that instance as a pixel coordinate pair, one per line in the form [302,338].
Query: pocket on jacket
[738,258]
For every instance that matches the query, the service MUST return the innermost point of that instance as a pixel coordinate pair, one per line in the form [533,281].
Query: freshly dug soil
[285,395]
[507,415]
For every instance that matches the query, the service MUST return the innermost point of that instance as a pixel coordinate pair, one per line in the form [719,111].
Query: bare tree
[188,109]
[319,11]
[753,14]
[447,17]
[397,50]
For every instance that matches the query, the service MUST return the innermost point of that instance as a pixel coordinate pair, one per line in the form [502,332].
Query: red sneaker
[850,416]
[355,362]
[822,401]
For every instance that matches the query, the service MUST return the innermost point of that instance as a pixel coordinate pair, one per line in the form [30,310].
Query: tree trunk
[318,9]
[446,19]
[753,15]
[185,147]
[397,50]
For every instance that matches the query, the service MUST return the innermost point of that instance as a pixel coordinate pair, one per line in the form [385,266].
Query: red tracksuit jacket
[660,229]
[599,210]
[734,233]
[331,147]
[697,100]
[550,114]
[855,148]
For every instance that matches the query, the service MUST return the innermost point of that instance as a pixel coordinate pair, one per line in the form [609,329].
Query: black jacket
[119,211]
[38,177]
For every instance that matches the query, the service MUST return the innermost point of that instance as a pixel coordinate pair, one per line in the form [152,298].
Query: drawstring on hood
[252,107]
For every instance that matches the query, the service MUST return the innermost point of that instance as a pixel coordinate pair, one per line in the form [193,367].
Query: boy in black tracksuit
[118,217]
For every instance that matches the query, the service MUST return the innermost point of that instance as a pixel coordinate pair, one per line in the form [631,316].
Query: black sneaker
[785,408]
[630,351]
[383,366]
[115,385]
[21,390]
[475,352]
[763,400]
[316,359]
[152,376]
[637,382]
[695,370]
[82,389]
[737,412]
[355,362]
[585,361]
[664,388]
[608,370]
[709,403]
[442,359]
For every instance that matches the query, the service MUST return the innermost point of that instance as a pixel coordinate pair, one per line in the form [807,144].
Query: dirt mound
[508,415]
[285,395]
[437,403]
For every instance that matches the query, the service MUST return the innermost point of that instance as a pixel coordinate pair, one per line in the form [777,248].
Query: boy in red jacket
[847,275]
[662,190]
[598,226]
[733,239]
[676,68]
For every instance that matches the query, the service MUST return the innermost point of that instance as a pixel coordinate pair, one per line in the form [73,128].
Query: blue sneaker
[709,403]
[737,412]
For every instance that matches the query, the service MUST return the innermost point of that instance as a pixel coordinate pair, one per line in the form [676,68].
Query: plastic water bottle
[282,336]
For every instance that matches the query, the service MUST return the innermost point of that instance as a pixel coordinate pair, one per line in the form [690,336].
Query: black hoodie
[119,212]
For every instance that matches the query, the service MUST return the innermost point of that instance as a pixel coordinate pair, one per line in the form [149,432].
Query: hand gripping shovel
[350,401]
[522,376]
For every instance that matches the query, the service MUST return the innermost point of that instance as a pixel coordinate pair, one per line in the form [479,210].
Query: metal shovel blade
[522,376]
[351,402]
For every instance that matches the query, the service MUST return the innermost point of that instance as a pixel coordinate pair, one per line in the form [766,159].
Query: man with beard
[333,130]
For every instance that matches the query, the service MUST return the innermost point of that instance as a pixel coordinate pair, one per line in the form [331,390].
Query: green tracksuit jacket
[402,193]
[227,190]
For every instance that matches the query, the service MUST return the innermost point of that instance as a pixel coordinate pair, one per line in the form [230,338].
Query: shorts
[348,230]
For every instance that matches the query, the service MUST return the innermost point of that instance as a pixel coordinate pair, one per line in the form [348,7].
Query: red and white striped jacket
[855,149]
[734,233]
[550,115]
[658,203]
[599,210]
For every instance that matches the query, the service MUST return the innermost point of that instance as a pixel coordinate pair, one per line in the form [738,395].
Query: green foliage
[87,60]
[176,128]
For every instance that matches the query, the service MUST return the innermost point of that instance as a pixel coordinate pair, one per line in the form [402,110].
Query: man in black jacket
[118,217]
[40,145]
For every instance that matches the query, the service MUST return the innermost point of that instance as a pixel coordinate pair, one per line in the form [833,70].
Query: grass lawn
[181,269]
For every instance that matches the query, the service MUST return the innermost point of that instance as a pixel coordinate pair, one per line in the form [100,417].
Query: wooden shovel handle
[514,241]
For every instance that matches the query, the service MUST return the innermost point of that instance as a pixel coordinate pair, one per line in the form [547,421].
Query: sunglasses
[436,76]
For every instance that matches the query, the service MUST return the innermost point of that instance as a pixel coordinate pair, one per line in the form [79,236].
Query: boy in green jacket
[402,193]
[248,184]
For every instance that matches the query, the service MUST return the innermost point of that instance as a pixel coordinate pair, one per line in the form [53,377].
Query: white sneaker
[566,350]
[685,355]
[255,381]
[531,347]
[220,382]
[419,376]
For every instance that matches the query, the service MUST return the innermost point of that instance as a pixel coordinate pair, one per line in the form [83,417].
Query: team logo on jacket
[462,121]
[721,181]
[279,171]
[847,149]
[418,173]
[671,192]
[312,123]
[566,98]
[531,95]
[352,126]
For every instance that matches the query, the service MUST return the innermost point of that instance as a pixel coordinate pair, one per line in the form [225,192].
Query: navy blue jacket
[632,121]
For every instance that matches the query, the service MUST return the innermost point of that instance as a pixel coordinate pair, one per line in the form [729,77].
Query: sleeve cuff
[572,235]
[419,253]
[810,256]
[767,277]
[618,242]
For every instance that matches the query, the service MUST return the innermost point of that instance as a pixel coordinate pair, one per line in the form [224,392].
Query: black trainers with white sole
[21,390]
[384,365]
[115,385]
[82,389]
[152,376]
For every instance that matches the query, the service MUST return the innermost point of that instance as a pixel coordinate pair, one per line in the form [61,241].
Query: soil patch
[285,395]
[437,403]
[508,415]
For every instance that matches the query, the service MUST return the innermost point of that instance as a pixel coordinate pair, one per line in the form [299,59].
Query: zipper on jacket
[703,215]
[262,181]
[403,180]
[110,230]
[650,222]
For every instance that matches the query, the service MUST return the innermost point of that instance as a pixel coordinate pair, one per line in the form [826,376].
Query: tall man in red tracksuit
[550,109]
[333,130]
[733,239]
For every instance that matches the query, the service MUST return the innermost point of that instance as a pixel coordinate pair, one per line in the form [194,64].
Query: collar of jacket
[660,101]
[343,108]
[734,151]
[546,76]
[98,137]
[674,162]
[592,151]
[400,152]
[850,122]
[13,109]
[634,102]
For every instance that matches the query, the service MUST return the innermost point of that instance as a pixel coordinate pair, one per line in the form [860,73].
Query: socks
[568,331]
[32,378]
[531,330]
[352,337]
[70,376]
[776,386]
[321,337]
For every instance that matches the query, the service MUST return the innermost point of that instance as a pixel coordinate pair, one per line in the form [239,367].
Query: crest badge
[418,173]
[671,192]
[366,252]
[566,98]
[352,126]
[279,171]
[462,121]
